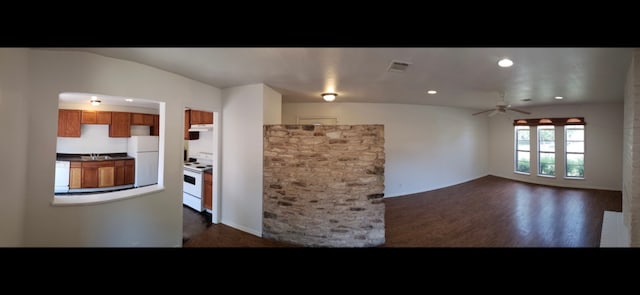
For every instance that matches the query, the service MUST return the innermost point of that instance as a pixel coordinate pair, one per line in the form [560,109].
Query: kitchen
[105,143]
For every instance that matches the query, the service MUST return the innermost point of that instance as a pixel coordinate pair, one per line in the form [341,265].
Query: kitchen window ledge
[98,198]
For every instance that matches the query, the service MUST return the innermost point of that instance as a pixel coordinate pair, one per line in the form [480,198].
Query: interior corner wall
[426,147]
[14,121]
[631,152]
[152,220]
[603,146]
[245,110]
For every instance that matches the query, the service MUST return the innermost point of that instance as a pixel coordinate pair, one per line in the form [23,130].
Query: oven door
[192,183]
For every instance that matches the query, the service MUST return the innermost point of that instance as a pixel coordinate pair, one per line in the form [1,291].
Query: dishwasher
[62,177]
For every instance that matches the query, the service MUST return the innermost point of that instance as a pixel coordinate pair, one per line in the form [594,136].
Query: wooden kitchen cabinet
[208,191]
[187,123]
[118,172]
[69,123]
[141,119]
[120,124]
[201,117]
[75,175]
[106,175]
[129,171]
[96,117]
[90,174]
[155,128]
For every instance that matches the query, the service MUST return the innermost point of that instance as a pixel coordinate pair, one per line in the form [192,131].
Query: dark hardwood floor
[486,212]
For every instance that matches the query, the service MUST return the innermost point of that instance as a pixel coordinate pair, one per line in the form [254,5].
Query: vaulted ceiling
[463,77]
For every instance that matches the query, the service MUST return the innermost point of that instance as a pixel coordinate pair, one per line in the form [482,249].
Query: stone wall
[323,185]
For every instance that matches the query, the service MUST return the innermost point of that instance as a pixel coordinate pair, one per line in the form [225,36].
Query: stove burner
[209,165]
[201,167]
[187,164]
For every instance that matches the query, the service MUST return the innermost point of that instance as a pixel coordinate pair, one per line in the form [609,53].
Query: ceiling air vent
[398,66]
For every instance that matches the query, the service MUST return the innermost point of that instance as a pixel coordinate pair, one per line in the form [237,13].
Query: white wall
[203,144]
[427,147]
[149,220]
[272,109]
[246,109]
[14,121]
[603,146]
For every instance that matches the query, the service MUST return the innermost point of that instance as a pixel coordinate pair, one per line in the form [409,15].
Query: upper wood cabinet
[69,123]
[96,117]
[141,119]
[201,117]
[189,135]
[155,128]
[120,124]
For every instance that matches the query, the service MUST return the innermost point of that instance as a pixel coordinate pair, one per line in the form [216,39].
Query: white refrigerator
[145,150]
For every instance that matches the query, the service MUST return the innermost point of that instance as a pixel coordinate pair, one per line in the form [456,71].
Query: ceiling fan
[501,108]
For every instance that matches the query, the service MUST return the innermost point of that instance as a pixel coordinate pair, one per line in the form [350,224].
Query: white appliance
[193,178]
[62,177]
[145,150]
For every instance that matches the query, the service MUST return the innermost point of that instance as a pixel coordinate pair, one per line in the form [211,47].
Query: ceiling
[463,77]
[85,98]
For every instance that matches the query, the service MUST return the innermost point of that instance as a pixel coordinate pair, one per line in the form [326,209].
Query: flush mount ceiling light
[329,96]
[128,99]
[505,63]
[432,92]
[558,97]
[95,101]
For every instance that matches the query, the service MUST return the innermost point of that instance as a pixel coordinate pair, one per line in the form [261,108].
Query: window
[522,149]
[574,147]
[546,150]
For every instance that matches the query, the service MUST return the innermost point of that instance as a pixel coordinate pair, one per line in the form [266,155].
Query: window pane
[523,139]
[575,146]
[522,161]
[575,134]
[546,139]
[547,163]
[575,165]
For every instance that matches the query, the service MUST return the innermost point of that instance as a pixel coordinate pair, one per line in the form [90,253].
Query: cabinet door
[105,176]
[196,117]
[207,118]
[89,177]
[103,117]
[69,123]
[147,119]
[208,191]
[75,175]
[89,117]
[129,172]
[120,124]
[187,123]
[118,173]
[155,128]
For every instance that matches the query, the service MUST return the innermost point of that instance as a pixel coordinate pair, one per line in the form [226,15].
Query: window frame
[566,150]
[540,152]
[516,149]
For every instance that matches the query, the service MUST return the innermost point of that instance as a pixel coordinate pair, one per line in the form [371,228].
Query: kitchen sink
[96,158]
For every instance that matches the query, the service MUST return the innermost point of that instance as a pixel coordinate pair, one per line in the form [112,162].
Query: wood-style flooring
[486,212]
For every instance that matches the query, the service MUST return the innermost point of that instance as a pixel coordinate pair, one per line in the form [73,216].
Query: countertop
[83,157]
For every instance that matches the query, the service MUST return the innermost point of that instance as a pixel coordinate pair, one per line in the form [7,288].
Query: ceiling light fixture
[128,99]
[558,97]
[95,101]
[505,62]
[329,96]
[432,92]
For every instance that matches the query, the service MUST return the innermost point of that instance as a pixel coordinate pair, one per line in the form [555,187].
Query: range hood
[201,127]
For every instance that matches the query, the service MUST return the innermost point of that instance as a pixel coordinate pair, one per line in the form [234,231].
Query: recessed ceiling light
[329,96]
[432,92]
[128,99]
[558,97]
[505,62]
[526,99]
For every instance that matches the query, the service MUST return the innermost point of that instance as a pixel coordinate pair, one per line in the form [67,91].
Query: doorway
[201,177]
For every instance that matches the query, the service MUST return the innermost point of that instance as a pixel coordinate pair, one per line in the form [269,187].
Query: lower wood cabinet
[98,174]
[208,191]
[75,175]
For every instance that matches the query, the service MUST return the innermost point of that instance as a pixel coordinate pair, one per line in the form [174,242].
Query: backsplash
[203,144]
[94,139]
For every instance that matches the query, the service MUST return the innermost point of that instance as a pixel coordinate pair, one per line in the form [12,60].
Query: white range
[193,189]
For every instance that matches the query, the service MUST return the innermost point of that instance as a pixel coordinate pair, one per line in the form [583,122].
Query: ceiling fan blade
[494,112]
[519,111]
[478,113]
